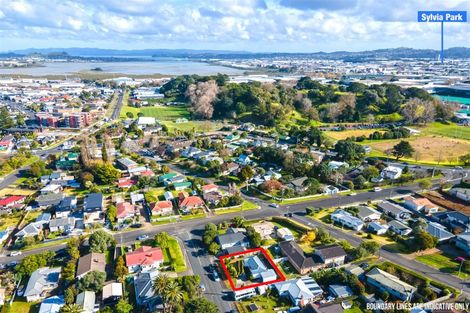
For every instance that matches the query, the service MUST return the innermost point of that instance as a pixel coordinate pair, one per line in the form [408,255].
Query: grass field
[447,130]
[16,192]
[174,256]
[246,205]
[21,306]
[338,135]
[429,149]
[443,263]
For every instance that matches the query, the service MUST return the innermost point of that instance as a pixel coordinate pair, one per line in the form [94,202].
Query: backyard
[174,256]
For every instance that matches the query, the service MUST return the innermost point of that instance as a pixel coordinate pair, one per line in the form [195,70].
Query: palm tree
[160,283]
[71,308]
[173,294]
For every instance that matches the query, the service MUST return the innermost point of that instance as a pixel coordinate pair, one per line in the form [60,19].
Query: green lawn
[10,220]
[193,216]
[246,205]
[354,309]
[21,306]
[166,113]
[443,263]
[174,256]
[448,130]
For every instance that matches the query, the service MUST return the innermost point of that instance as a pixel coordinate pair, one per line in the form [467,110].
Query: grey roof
[233,238]
[66,203]
[44,218]
[62,222]
[30,229]
[296,255]
[143,286]
[398,225]
[86,300]
[365,211]
[438,231]
[91,262]
[340,291]
[331,252]
[42,278]
[126,162]
[52,304]
[296,289]
[50,199]
[93,201]
[392,208]
[390,281]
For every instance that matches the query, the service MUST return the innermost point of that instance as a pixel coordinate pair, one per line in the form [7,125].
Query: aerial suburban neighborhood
[205,181]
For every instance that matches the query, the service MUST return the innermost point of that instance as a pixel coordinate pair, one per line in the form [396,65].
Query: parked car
[274,205]
[216,275]
[15,253]
[377,189]
[142,237]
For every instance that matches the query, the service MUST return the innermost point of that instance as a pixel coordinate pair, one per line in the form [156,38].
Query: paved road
[117,109]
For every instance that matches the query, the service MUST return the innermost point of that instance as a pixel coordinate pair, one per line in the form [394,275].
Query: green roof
[184,184]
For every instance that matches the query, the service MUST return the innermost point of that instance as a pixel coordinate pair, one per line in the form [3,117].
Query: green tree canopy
[100,241]
[200,305]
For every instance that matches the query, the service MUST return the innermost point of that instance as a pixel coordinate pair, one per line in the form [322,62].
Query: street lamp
[460,259]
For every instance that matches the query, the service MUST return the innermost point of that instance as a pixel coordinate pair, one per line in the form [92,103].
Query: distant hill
[395,53]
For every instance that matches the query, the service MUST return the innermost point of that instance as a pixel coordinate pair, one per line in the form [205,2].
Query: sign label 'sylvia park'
[442,16]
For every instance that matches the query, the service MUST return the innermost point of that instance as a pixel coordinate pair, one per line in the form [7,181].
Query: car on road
[15,253]
[352,194]
[142,237]
[274,205]
[13,264]
[458,168]
[288,214]
[377,189]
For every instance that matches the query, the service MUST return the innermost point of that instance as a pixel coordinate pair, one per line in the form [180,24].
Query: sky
[248,25]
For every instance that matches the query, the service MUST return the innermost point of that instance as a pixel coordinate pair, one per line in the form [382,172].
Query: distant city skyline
[248,25]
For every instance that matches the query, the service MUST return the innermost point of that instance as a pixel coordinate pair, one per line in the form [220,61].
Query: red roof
[161,205]
[209,187]
[145,255]
[126,182]
[124,209]
[147,173]
[11,199]
[192,201]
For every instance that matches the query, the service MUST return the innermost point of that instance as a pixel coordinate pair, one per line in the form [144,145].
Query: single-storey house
[161,208]
[367,214]
[391,284]
[144,258]
[399,228]
[296,256]
[421,205]
[331,255]
[439,231]
[41,282]
[90,262]
[345,218]
[237,239]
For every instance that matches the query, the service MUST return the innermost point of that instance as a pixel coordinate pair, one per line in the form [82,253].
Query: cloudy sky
[251,25]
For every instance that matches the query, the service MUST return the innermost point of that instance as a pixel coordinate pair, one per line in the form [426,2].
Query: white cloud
[240,24]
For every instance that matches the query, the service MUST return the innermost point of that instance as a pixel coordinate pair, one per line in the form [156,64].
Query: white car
[377,189]
[274,205]
[15,253]
[142,237]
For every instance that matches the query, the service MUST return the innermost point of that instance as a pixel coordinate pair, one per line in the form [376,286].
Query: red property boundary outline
[266,255]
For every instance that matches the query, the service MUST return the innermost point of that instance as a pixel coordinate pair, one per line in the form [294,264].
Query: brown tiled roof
[91,262]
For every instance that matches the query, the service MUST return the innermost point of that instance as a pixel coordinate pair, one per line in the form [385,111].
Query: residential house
[12,202]
[137,198]
[143,290]
[93,209]
[367,214]
[421,205]
[209,188]
[168,196]
[29,230]
[91,262]
[190,152]
[330,190]
[244,160]
[49,199]
[394,210]
[213,198]
[126,163]
[190,203]
[399,228]
[265,229]
[244,294]
[255,266]
[124,211]
[340,291]
[298,184]
[86,301]
[317,155]
[229,168]
[63,224]
[461,193]
[463,242]
[161,208]
[65,207]
[391,172]
[41,282]
[182,185]
[457,221]
[333,255]
[43,219]
[166,177]
[296,256]
[439,231]
[285,234]
[112,292]
[52,304]
[347,219]
[144,258]
[300,291]
[391,284]
[51,188]
[336,165]
[237,239]
[377,228]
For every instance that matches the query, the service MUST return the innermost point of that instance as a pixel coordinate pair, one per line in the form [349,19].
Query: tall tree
[403,149]
[120,271]
[200,305]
